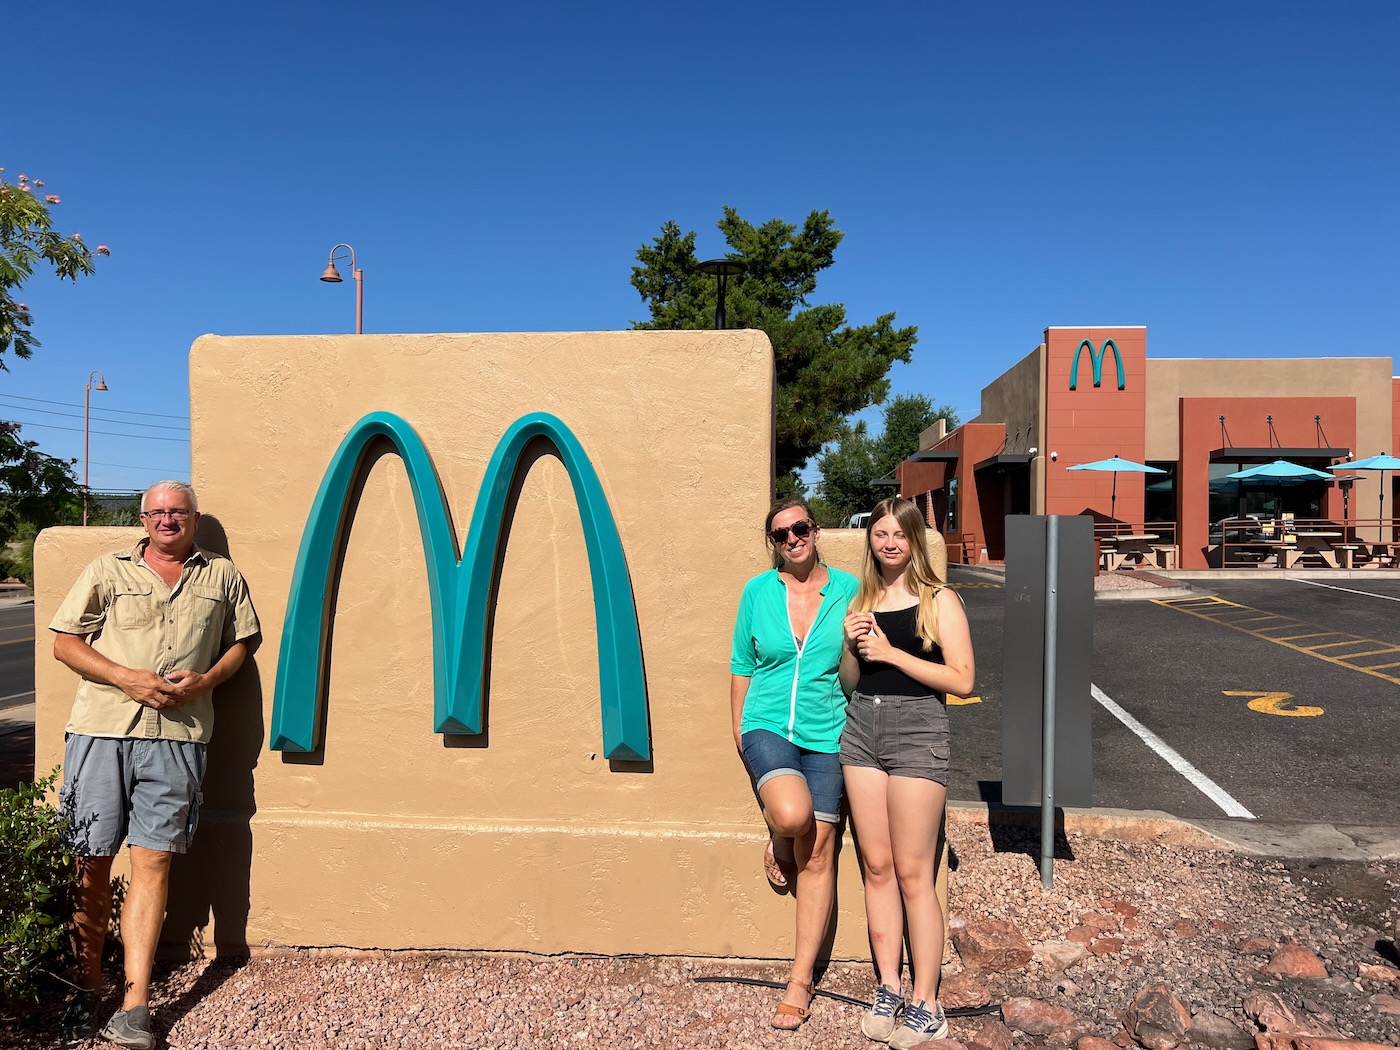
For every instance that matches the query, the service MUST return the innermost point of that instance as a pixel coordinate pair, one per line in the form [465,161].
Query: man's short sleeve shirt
[133,617]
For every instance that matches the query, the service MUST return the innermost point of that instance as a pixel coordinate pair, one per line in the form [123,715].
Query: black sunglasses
[800,529]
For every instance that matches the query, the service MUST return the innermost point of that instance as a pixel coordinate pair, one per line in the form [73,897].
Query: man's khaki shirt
[134,618]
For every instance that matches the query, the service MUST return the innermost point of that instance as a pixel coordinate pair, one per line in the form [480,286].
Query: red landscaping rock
[1219,1033]
[1106,946]
[1082,934]
[1293,960]
[1386,1004]
[1060,955]
[992,945]
[1094,1042]
[994,1036]
[1185,928]
[1257,946]
[1276,1016]
[1035,1017]
[1156,1018]
[1121,908]
[1099,920]
[968,988]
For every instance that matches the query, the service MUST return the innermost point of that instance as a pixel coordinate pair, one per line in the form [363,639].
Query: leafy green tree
[826,369]
[856,461]
[27,240]
[35,488]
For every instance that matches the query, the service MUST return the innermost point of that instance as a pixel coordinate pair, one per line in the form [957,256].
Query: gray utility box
[1028,604]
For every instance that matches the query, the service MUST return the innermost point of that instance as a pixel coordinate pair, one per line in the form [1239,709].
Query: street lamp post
[723,269]
[332,276]
[87,398]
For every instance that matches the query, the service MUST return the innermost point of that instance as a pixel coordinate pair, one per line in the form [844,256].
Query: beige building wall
[1368,379]
[527,838]
[1017,398]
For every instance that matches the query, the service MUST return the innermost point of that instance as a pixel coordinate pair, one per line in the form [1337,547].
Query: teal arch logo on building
[1096,358]
[459,589]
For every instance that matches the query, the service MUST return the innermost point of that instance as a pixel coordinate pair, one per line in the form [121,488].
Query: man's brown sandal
[787,1010]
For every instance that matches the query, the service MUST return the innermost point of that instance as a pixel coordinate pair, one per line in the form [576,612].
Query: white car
[858,521]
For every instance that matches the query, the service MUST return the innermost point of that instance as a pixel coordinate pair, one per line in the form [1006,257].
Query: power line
[104,433]
[100,419]
[135,466]
[120,411]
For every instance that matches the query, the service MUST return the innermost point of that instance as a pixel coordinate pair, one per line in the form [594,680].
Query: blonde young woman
[788,709]
[907,647]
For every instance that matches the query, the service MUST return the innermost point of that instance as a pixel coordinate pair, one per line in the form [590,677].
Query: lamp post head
[102,384]
[332,275]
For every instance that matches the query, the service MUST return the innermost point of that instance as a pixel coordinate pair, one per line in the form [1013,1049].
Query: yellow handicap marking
[1275,704]
[959,701]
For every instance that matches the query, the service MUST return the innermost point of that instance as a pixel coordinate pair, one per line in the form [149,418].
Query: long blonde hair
[920,577]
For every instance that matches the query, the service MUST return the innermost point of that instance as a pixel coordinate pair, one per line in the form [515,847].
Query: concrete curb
[1346,842]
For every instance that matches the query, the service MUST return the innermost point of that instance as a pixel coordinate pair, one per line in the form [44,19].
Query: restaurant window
[1264,499]
[1159,493]
[951,520]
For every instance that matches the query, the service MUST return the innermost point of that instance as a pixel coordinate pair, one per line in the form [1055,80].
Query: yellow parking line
[1315,634]
[1350,641]
[19,641]
[1338,661]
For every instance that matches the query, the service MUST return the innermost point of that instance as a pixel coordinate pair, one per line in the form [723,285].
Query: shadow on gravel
[1016,829]
[215,974]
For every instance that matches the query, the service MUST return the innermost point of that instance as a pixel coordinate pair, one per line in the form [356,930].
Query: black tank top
[901,627]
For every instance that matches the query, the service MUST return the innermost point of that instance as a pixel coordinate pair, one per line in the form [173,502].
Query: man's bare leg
[92,911]
[143,913]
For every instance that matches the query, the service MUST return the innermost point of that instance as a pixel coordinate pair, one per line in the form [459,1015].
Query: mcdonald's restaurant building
[1089,393]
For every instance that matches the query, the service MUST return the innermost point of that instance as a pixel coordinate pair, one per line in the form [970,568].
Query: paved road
[1282,694]
[16,656]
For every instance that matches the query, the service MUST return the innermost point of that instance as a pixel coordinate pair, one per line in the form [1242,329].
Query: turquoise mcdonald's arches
[1096,357]
[459,591]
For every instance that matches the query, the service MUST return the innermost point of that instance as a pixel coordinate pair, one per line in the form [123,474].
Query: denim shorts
[906,736]
[144,791]
[769,755]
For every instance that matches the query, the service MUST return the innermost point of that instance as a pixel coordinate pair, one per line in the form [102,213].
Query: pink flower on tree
[77,236]
[102,249]
[52,198]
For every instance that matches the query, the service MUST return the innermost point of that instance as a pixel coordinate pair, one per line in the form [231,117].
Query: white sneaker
[920,1025]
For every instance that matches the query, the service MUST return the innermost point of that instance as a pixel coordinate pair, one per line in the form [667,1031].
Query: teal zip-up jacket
[794,694]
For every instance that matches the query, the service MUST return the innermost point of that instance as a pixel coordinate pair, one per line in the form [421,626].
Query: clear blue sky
[1227,174]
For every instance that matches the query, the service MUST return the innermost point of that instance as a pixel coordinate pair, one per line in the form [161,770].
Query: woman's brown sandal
[797,1014]
[776,878]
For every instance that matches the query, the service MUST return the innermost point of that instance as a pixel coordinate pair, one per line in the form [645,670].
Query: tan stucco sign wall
[525,838]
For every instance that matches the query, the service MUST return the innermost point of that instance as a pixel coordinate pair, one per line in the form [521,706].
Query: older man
[151,631]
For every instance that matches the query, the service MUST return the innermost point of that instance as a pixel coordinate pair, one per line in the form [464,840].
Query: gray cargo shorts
[906,736]
[144,791]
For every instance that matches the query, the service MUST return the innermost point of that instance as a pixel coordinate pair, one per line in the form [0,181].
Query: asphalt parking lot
[1280,699]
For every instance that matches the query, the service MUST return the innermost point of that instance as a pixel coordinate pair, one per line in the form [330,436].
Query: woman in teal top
[788,712]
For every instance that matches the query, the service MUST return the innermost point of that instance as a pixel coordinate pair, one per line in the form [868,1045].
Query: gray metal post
[1047,734]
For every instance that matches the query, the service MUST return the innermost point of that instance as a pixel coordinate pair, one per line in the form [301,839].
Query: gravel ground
[1183,916]
[1128,581]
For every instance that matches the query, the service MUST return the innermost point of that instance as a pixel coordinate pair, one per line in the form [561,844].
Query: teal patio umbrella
[1281,472]
[1116,464]
[1381,462]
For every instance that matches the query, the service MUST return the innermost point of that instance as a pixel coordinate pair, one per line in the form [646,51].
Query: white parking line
[1365,594]
[15,696]
[1173,758]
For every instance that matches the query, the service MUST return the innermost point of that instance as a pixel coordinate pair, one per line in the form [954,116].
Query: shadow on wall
[213,879]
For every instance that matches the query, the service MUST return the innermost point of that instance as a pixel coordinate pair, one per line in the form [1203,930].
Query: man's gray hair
[185,490]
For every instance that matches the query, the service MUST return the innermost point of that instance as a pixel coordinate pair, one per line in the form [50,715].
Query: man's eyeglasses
[178,514]
[800,529]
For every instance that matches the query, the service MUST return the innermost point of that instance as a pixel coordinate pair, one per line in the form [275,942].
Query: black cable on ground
[954,1011]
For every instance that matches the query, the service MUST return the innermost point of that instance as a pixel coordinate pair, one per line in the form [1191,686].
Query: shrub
[36,875]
